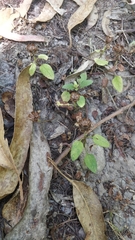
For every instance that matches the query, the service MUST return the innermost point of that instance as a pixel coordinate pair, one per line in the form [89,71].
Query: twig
[120,111]
[126,30]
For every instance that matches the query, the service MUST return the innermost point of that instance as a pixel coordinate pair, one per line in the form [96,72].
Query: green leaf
[85,83]
[76,149]
[76,86]
[47,71]
[68,86]
[90,162]
[101,62]
[32,69]
[65,96]
[83,76]
[100,141]
[43,56]
[117,83]
[81,102]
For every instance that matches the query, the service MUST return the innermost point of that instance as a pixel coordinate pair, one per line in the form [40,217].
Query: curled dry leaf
[92,18]
[81,13]
[22,134]
[7,17]
[89,211]
[47,12]
[105,24]
[5,154]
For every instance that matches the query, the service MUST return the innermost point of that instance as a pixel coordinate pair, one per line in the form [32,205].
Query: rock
[132,140]
[128,195]
[131,164]
[101,189]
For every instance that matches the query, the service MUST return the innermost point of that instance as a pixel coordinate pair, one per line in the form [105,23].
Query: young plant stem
[120,111]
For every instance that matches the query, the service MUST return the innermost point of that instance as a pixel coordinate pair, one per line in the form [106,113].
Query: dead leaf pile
[8,15]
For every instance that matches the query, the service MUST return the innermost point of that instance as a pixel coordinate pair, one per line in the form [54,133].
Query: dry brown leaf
[81,13]
[89,211]
[13,210]
[92,18]
[88,208]
[5,154]
[24,7]
[56,4]
[22,134]
[7,17]
[47,13]
[105,24]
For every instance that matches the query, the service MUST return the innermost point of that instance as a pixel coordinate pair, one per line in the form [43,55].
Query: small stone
[128,195]
[101,189]
[133,197]
[133,141]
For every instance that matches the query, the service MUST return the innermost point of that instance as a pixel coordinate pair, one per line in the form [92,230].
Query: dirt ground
[114,182]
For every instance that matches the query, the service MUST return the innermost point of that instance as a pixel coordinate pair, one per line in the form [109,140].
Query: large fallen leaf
[47,12]
[89,211]
[5,154]
[105,24]
[88,208]
[81,13]
[33,223]
[92,18]
[22,134]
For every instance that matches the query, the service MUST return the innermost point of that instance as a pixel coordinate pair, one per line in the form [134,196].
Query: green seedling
[89,159]
[100,61]
[79,84]
[117,83]
[45,68]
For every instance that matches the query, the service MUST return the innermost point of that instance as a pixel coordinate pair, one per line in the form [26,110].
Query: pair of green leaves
[66,97]
[80,83]
[45,69]
[89,159]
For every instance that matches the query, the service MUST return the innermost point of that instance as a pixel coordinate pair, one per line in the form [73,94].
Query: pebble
[132,140]
[101,189]
[128,195]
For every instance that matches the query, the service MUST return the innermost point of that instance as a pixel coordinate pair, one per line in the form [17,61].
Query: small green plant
[89,159]
[117,83]
[45,68]
[79,84]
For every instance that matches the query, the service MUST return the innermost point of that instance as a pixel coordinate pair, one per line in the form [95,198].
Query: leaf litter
[22,134]
[88,208]
[78,17]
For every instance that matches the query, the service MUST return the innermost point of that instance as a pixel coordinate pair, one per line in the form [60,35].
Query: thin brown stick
[120,111]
